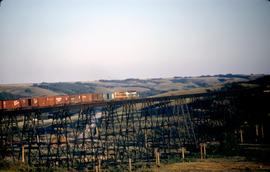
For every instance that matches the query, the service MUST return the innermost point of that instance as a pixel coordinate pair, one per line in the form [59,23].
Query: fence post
[99,165]
[201,150]
[23,153]
[157,155]
[204,150]
[183,152]
[241,136]
[129,164]
[262,131]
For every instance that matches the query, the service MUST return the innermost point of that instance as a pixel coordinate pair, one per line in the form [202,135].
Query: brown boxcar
[1,104]
[74,99]
[97,97]
[42,102]
[86,98]
[50,101]
[11,104]
[100,97]
[34,102]
[25,102]
[61,100]
[120,95]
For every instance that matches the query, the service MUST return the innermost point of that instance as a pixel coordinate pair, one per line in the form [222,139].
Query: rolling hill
[145,87]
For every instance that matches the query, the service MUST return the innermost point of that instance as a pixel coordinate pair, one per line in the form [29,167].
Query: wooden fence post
[262,131]
[99,165]
[241,136]
[157,155]
[129,164]
[201,150]
[183,152]
[204,150]
[23,153]
[158,158]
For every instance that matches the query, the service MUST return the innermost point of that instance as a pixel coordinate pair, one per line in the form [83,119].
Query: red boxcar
[1,104]
[86,98]
[11,104]
[100,97]
[97,97]
[120,95]
[94,97]
[42,101]
[34,102]
[74,99]
[50,101]
[61,100]
[25,102]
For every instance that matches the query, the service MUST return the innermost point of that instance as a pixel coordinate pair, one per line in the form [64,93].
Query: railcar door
[29,102]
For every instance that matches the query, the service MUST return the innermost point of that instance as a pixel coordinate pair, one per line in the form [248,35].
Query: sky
[84,40]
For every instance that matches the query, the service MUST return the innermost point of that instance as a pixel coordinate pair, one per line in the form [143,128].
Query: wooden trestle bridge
[82,136]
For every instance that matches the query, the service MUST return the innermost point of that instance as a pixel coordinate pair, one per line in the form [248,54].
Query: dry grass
[184,92]
[148,87]
[20,89]
[217,164]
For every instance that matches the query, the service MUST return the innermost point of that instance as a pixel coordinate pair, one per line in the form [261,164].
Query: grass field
[225,164]
[145,87]
[214,165]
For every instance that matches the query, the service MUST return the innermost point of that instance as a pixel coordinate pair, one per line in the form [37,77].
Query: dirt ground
[217,164]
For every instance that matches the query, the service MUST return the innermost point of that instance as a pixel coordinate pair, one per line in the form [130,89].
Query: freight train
[63,100]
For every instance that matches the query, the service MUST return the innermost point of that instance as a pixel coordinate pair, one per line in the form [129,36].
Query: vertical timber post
[201,150]
[204,150]
[183,152]
[99,165]
[257,133]
[23,153]
[97,131]
[158,158]
[129,164]
[257,130]
[262,131]
[145,139]
[157,155]
[241,136]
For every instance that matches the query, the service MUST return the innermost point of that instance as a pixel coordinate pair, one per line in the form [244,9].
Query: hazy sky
[73,40]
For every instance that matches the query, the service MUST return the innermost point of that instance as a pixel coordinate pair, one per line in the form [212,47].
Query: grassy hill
[145,87]
[14,91]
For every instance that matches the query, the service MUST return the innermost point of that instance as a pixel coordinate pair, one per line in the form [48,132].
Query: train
[62,100]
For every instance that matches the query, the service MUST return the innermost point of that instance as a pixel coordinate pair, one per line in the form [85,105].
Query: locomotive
[61,100]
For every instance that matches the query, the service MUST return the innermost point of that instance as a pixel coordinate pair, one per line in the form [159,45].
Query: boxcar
[50,101]
[11,104]
[120,95]
[108,96]
[25,102]
[61,100]
[34,102]
[97,97]
[94,97]
[1,104]
[100,97]
[86,98]
[74,99]
[42,101]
